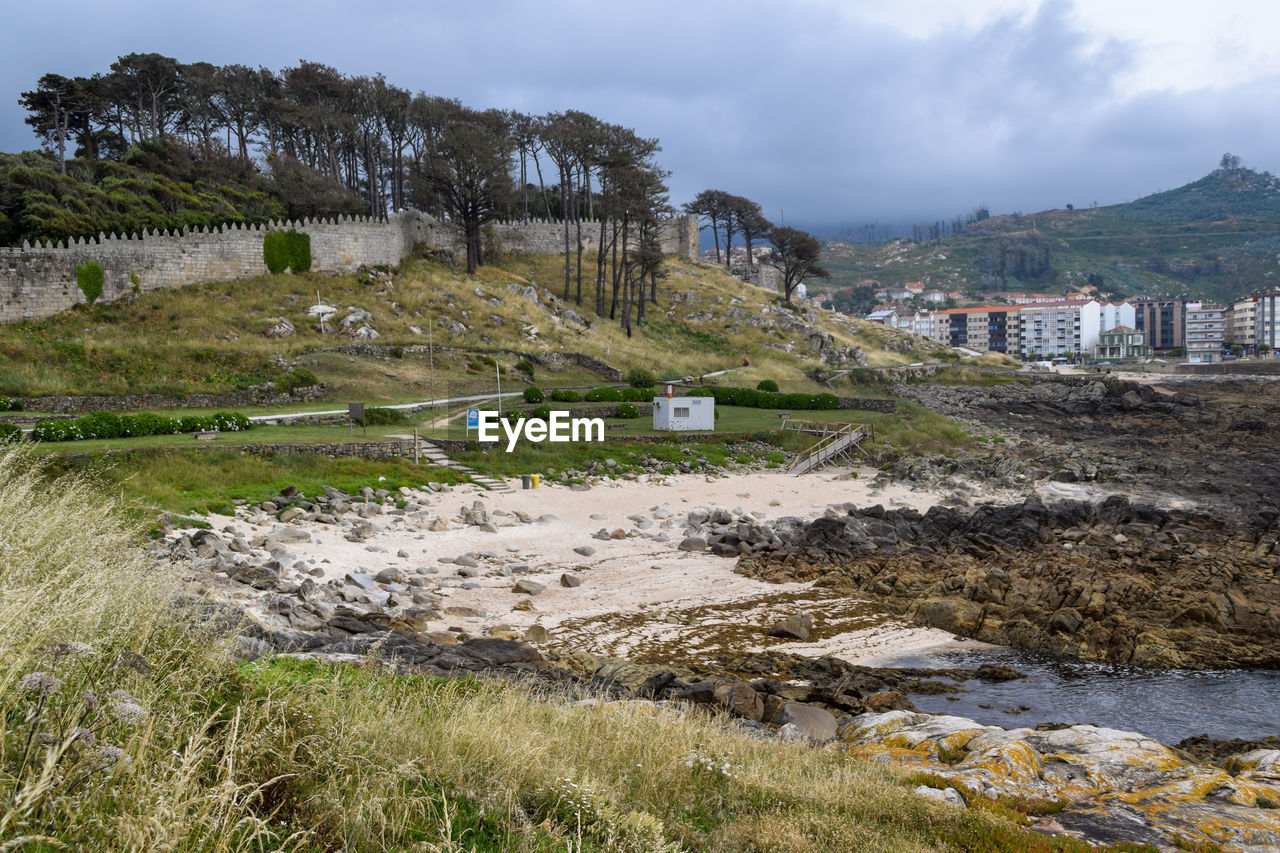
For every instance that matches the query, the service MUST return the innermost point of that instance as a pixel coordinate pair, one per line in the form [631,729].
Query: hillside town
[1040,326]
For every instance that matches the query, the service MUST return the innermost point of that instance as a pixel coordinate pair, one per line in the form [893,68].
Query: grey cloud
[790,104]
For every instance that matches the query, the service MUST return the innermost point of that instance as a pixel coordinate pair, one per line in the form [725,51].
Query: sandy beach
[639,596]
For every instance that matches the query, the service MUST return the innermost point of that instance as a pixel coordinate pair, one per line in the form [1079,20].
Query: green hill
[1217,237]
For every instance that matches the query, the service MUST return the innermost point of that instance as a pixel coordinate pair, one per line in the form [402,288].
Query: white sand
[638,597]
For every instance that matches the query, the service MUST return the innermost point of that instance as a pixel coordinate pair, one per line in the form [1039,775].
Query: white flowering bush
[101,425]
[707,765]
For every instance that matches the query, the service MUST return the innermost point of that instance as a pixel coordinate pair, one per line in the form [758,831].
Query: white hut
[684,413]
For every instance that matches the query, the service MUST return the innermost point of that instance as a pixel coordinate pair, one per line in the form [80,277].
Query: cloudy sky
[828,113]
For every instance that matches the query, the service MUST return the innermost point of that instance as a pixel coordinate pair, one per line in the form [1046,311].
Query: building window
[680,412]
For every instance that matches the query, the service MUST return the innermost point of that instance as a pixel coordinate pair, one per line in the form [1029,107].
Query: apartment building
[987,328]
[1059,328]
[1267,322]
[1163,319]
[1205,334]
[1240,324]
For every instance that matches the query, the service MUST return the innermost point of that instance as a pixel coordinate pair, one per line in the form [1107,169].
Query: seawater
[1167,704]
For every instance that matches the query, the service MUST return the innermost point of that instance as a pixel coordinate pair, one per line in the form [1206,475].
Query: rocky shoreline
[1184,575]
[1113,581]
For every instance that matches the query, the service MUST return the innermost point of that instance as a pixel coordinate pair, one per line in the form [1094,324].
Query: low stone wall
[393,449]
[1263,367]
[260,395]
[869,404]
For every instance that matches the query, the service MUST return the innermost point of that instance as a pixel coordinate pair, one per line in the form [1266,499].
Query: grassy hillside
[1217,237]
[214,337]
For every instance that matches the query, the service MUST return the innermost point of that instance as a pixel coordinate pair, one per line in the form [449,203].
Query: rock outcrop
[1113,581]
[1099,784]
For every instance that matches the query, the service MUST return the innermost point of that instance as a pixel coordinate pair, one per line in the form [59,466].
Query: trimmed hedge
[290,250]
[533,394]
[563,396]
[603,394]
[111,425]
[767,385]
[8,404]
[10,432]
[628,410]
[89,278]
[752,398]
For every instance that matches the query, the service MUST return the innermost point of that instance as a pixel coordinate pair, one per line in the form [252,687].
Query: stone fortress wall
[39,281]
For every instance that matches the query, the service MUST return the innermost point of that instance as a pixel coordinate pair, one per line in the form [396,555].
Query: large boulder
[818,723]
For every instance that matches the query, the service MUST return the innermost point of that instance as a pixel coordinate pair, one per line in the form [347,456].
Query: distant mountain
[1217,237]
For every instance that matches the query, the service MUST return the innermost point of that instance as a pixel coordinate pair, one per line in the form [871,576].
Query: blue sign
[473,418]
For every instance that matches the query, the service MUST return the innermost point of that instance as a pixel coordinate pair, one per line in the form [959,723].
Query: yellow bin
[536,479]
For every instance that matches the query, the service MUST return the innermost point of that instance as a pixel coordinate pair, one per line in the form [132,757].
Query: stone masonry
[39,281]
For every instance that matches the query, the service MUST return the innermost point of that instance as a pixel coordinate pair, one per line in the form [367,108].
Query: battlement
[38,281]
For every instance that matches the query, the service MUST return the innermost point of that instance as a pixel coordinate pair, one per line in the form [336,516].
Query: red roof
[981,308]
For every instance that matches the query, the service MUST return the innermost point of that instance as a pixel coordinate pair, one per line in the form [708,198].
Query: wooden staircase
[838,442]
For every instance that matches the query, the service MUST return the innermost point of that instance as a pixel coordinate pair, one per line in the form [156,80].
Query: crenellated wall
[39,281]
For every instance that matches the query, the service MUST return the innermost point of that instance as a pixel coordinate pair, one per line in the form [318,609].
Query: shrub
[766,400]
[10,432]
[604,394]
[638,377]
[627,410]
[525,366]
[299,247]
[636,395]
[380,416]
[767,385]
[533,394]
[565,396]
[290,250]
[297,378]
[149,423]
[541,413]
[275,251]
[8,404]
[101,425]
[90,278]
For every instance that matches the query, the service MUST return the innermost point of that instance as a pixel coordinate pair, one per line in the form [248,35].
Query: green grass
[210,338]
[206,480]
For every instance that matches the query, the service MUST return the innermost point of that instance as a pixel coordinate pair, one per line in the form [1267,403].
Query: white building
[1266,326]
[1241,324]
[1059,328]
[1206,329]
[1116,314]
[684,413]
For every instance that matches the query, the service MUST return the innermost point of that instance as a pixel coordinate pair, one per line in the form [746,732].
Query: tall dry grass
[125,725]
